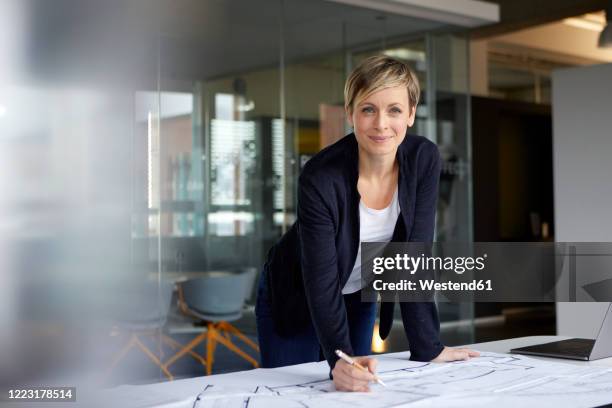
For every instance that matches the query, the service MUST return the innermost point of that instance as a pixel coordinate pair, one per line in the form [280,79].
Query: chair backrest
[249,292]
[144,302]
[218,292]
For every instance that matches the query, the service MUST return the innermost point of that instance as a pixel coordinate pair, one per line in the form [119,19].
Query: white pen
[352,362]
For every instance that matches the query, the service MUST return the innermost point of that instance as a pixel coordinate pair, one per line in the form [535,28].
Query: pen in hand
[352,362]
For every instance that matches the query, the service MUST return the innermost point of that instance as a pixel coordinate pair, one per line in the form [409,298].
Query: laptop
[576,349]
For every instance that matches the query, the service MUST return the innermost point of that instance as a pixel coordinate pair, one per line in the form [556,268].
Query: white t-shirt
[374,226]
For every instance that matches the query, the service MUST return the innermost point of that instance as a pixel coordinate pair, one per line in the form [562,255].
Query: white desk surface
[504,346]
[178,393]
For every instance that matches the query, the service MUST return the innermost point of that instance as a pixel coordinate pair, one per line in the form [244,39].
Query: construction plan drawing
[500,379]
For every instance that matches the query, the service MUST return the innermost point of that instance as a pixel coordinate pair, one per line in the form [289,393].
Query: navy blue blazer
[308,267]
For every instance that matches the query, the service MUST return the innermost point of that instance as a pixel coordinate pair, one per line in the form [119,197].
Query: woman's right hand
[349,378]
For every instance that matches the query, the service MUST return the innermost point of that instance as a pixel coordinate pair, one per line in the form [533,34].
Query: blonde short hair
[376,73]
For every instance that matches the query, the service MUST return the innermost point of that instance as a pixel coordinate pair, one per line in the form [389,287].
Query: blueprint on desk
[501,380]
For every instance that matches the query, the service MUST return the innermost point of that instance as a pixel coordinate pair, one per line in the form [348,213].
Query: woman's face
[381,120]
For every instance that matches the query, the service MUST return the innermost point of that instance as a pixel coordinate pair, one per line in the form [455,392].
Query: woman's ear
[411,116]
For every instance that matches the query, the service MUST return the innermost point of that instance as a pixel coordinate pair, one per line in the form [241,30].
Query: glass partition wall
[169,144]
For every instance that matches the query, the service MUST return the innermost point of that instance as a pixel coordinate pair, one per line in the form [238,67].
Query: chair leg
[232,329]
[159,344]
[212,352]
[170,342]
[176,345]
[152,357]
[213,327]
[236,350]
[217,332]
[119,356]
[185,349]
[210,347]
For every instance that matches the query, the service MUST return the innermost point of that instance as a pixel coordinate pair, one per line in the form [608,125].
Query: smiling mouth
[379,139]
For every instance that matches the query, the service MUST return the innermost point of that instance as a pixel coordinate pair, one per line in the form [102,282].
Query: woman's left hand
[454,354]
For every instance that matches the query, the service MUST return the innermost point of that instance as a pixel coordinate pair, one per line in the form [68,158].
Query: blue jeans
[278,351]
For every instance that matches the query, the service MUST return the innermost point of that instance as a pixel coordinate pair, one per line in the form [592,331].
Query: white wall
[582,140]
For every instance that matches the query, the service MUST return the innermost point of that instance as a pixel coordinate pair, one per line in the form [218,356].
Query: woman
[376,184]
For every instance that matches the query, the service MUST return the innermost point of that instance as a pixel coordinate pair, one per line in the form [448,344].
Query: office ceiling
[93,40]
[520,14]
[197,38]
[238,35]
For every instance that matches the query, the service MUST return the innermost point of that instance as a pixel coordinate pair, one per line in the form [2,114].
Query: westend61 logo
[426,263]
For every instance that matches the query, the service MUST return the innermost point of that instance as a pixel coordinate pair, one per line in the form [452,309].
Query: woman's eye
[367,109]
[396,110]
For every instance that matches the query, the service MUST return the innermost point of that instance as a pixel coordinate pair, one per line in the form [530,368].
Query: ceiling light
[464,13]
[584,23]
[406,54]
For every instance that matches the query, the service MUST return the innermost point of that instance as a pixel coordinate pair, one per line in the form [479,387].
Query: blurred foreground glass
[70,123]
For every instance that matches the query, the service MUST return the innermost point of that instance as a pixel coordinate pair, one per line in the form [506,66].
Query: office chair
[142,309]
[216,299]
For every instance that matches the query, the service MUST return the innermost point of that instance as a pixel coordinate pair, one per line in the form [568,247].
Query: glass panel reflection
[149,142]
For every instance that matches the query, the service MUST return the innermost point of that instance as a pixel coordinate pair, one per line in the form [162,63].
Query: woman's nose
[381,121]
